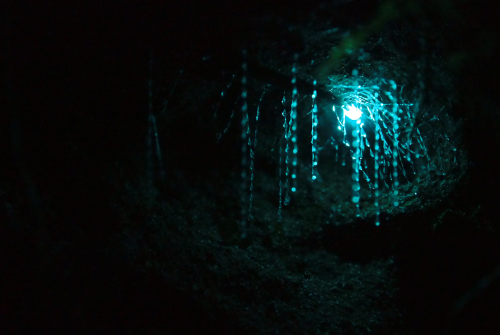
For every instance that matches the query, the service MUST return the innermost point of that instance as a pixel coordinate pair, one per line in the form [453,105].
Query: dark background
[75,104]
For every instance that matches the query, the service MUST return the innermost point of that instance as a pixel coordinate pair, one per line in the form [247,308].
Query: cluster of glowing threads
[392,143]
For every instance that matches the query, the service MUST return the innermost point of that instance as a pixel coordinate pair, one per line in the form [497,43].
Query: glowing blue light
[352,112]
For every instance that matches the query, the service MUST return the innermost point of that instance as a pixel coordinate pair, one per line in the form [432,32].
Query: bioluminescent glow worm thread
[395,142]
[356,162]
[158,150]
[222,94]
[280,185]
[376,167]
[252,156]
[293,116]
[314,134]
[153,131]
[287,125]
[244,144]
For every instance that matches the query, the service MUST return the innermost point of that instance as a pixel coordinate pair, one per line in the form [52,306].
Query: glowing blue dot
[314,177]
[294,139]
[377,223]
[294,189]
[355,199]
[294,176]
[294,151]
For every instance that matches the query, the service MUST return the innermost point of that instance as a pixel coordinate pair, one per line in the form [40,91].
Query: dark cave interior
[106,227]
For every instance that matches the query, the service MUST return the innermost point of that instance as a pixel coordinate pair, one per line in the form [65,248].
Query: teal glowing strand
[287,126]
[356,165]
[395,146]
[280,185]
[314,134]
[153,131]
[293,116]
[376,168]
[252,157]
[244,144]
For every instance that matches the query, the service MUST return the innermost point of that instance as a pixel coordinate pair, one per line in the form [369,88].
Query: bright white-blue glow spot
[294,151]
[352,112]
[313,177]
[294,189]
[333,109]
[339,128]
[315,163]
[294,176]
[294,139]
